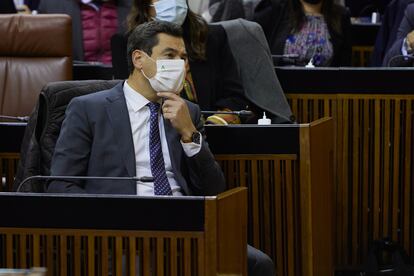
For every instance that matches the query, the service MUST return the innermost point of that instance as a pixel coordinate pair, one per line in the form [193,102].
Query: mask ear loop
[142,71]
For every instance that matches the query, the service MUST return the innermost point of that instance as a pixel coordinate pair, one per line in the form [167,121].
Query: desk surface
[346,80]
[102,212]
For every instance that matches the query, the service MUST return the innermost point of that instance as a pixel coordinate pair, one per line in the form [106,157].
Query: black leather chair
[44,127]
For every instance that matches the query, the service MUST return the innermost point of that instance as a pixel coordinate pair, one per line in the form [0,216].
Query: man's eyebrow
[169,50]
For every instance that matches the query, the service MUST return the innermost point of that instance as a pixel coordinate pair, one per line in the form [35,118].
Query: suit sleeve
[72,151]
[206,177]
[406,26]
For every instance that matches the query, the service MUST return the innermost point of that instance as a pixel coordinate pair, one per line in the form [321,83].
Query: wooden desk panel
[374,167]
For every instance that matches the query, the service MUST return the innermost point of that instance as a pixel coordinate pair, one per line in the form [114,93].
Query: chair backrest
[44,127]
[35,50]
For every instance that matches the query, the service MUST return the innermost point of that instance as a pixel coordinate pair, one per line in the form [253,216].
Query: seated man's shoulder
[94,99]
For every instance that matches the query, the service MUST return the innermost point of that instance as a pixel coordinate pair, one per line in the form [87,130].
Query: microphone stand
[64,177]
[238,113]
[15,118]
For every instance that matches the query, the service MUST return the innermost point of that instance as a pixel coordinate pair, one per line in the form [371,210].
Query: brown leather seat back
[34,50]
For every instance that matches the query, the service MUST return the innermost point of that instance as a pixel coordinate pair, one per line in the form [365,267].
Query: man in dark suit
[402,50]
[73,8]
[138,129]
[109,133]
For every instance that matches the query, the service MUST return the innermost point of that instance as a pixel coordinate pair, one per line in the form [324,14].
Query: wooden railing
[290,198]
[374,138]
[212,243]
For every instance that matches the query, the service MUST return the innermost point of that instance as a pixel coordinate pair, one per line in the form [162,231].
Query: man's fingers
[168,95]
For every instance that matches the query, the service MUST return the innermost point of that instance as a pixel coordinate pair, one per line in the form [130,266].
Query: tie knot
[154,107]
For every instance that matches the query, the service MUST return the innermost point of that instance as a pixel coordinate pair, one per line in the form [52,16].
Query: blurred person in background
[401,52]
[315,32]
[94,22]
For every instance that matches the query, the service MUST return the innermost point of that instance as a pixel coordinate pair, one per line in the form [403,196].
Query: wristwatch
[196,137]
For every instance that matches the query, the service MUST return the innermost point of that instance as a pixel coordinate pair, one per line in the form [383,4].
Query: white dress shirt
[139,116]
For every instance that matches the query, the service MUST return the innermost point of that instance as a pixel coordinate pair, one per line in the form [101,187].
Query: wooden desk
[373,113]
[93,235]
[288,170]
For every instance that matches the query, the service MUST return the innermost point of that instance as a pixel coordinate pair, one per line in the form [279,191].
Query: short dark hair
[144,37]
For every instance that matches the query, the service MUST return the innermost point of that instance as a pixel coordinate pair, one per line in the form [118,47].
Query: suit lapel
[118,116]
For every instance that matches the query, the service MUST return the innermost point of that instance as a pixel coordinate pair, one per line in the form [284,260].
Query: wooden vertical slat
[345,175]
[396,172]
[407,221]
[386,178]
[22,251]
[63,266]
[280,266]
[132,256]
[160,257]
[305,116]
[365,183]
[147,256]
[91,255]
[77,254]
[254,204]
[9,252]
[50,260]
[242,173]
[36,250]
[105,255]
[173,257]
[290,207]
[118,255]
[266,207]
[187,257]
[355,180]
[377,171]
[201,257]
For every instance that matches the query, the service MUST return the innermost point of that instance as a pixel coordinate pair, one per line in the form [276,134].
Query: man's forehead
[166,41]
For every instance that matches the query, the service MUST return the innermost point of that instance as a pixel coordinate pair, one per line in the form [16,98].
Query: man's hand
[410,41]
[176,110]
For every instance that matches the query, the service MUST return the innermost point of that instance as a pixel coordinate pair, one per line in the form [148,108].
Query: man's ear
[137,59]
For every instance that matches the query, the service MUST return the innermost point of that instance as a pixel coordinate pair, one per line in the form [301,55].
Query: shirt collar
[134,98]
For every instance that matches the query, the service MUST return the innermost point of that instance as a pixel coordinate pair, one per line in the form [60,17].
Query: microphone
[292,56]
[285,59]
[15,118]
[238,113]
[406,57]
[65,177]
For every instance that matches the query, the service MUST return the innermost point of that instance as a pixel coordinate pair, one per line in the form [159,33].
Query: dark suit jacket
[216,79]
[96,140]
[7,6]
[71,7]
[406,26]
[274,18]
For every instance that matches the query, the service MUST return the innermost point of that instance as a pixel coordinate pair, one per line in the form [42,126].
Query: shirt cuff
[404,49]
[192,149]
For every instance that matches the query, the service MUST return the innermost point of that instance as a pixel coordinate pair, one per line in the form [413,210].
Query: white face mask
[174,11]
[169,76]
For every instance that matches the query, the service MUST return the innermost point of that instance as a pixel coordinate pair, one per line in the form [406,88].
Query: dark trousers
[258,263]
